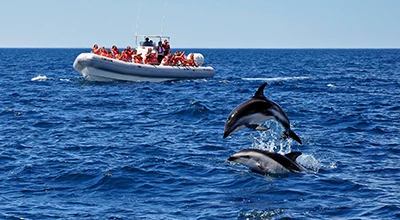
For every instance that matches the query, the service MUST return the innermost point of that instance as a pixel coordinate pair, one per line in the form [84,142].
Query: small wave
[66,80]
[257,214]
[46,124]
[40,78]
[274,79]
[195,108]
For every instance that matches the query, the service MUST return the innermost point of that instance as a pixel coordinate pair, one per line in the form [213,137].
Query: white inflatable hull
[98,68]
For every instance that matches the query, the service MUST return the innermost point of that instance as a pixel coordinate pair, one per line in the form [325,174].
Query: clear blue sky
[203,24]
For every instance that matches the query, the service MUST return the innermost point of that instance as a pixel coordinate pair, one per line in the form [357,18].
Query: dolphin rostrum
[255,110]
[264,162]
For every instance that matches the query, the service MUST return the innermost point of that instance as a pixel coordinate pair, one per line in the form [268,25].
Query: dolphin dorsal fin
[260,91]
[293,155]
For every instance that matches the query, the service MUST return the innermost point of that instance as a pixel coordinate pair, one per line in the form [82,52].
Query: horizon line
[223,48]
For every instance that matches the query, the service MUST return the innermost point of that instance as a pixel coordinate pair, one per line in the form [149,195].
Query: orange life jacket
[96,51]
[128,55]
[104,53]
[138,59]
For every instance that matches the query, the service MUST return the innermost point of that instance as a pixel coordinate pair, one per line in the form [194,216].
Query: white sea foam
[39,78]
[274,79]
[309,162]
[270,141]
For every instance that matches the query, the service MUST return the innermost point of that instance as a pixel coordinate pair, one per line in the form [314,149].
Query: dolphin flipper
[257,127]
[290,134]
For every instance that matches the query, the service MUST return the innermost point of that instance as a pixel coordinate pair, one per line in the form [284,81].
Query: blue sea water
[74,149]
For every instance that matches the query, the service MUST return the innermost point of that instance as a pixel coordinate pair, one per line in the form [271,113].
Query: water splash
[309,162]
[260,214]
[40,78]
[270,141]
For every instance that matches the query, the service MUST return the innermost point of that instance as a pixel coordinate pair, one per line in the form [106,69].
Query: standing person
[167,47]
[160,51]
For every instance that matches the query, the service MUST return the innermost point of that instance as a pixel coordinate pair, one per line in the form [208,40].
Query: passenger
[128,54]
[166,60]
[190,61]
[137,58]
[183,58]
[154,58]
[160,51]
[173,61]
[167,47]
[178,58]
[150,57]
[123,55]
[147,43]
[119,56]
[147,57]
[95,49]
[114,50]
[103,52]
[110,55]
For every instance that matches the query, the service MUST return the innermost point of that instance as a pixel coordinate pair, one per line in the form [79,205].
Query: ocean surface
[74,149]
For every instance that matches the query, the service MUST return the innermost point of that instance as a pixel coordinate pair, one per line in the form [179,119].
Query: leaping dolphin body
[264,162]
[255,110]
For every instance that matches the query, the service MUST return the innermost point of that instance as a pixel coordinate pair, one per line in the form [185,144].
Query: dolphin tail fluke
[290,134]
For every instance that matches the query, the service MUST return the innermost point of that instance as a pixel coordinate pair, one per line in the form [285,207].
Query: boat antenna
[163,19]
[137,19]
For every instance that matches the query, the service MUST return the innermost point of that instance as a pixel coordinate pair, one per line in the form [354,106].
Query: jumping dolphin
[264,162]
[255,110]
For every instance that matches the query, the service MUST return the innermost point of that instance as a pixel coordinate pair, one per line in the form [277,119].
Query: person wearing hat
[167,47]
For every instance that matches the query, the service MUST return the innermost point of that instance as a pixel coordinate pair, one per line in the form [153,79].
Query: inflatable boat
[94,67]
